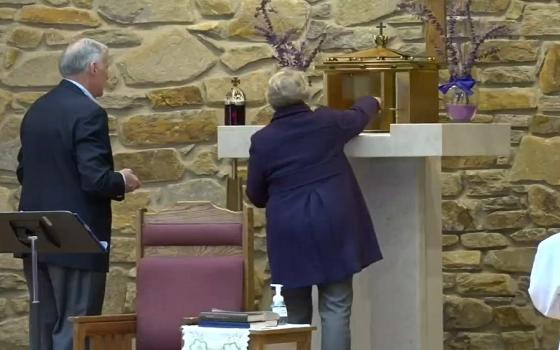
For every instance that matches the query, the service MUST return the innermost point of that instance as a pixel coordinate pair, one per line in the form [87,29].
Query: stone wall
[497,209]
[172,61]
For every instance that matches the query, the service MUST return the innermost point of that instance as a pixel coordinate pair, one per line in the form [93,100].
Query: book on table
[238,316]
[232,324]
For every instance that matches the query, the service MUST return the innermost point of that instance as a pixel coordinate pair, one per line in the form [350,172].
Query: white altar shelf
[404,140]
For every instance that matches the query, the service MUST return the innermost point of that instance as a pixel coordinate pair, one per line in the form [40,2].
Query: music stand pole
[35,330]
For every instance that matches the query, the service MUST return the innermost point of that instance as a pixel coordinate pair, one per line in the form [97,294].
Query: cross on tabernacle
[381,26]
[235,81]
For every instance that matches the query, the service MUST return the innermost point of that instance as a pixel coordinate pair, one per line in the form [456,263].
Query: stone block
[515,316]
[484,240]
[490,99]
[486,183]
[352,12]
[7,14]
[217,7]
[40,70]
[534,157]
[530,235]
[449,240]
[511,260]
[175,97]
[549,78]
[205,189]
[465,313]
[511,51]
[238,57]
[456,216]
[505,220]
[125,212]
[485,284]
[157,61]
[148,11]
[540,19]
[290,15]
[113,37]
[39,14]
[488,7]
[461,260]
[157,165]
[451,184]
[185,127]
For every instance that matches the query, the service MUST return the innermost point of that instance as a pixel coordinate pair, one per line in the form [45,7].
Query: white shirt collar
[81,87]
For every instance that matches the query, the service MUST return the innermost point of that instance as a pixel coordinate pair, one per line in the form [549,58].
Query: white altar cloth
[210,338]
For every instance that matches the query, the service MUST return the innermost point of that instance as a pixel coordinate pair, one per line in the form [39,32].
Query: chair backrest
[190,258]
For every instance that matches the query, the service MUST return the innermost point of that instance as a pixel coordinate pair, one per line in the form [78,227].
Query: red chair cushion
[192,234]
[170,288]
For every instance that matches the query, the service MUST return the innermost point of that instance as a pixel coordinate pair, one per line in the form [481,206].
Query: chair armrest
[103,318]
[103,326]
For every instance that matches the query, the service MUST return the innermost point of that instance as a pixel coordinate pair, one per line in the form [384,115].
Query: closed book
[223,324]
[226,324]
[189,321]
[264,324]
[235,316]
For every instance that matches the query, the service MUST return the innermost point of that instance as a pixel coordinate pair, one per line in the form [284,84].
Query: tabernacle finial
[381,39]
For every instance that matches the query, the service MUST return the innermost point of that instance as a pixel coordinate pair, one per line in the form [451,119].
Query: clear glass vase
[461,107]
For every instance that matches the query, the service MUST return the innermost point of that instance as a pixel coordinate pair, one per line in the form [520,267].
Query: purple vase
[461,113]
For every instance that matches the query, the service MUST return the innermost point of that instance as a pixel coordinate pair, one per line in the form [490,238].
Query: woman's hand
[378,101]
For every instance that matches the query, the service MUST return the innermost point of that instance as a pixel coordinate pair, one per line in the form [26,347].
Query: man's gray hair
[287,87]
[79,55]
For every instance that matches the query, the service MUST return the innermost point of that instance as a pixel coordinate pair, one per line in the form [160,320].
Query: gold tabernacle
[406,84]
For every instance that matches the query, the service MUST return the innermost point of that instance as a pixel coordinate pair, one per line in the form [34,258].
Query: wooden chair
[190,258]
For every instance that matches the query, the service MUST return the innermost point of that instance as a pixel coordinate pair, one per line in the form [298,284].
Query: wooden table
[299,335]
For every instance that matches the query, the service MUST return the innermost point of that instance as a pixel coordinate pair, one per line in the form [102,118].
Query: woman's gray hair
[287,87]
[79,55]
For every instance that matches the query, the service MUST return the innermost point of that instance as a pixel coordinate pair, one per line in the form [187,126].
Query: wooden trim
[248,255]
[193,213]
[433,39]
[300,336]
[102,318]
[103,328]
[79,337]
[183,250]
[139,228]
[301,329]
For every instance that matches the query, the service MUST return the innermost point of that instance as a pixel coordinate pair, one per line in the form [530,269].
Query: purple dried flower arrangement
[288,51]
[459,61]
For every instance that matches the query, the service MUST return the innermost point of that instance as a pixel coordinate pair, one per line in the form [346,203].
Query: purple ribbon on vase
[465,83]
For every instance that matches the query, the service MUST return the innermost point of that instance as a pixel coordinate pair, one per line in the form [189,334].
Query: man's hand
[131,181]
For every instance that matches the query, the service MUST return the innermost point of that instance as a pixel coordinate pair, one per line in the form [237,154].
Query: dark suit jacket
[66,163]
[318,225]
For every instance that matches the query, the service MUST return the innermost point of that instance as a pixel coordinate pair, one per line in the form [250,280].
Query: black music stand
[45,232]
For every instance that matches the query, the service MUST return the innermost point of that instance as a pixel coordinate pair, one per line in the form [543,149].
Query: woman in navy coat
[319,231]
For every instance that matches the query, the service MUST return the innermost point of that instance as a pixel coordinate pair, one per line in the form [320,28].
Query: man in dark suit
[319,231]
[66,163]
